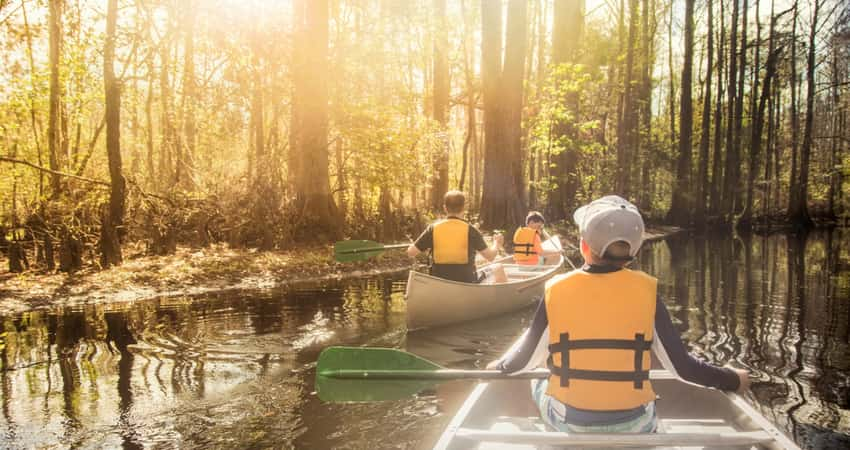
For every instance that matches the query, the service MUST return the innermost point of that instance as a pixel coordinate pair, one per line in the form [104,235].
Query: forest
[276,124]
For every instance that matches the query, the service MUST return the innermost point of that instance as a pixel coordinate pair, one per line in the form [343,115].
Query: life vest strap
[565,345]
[529,249]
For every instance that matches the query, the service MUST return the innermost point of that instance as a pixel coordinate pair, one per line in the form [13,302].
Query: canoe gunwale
[434,302]
[552,268]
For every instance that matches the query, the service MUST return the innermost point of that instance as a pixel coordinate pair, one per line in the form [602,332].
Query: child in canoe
[454,242]
[528,249]
[596,328]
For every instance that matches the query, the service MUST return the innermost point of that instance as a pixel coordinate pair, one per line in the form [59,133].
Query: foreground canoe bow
[433,301]
[688,416]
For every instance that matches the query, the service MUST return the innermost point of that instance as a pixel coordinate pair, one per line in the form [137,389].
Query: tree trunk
[835,130]
[682,203]
[771,139]
[799,211]
[167,137]
[471,111]
[701,198]
[185,166]
[512,88]
[440,185]
[642,158]
[671,97]
[54,123]
[729,179]
[758,123]
[794,184]
[715,190]
[501,198]
[735,154]
[626,136]
[149,137]
[113,219]
[314,203]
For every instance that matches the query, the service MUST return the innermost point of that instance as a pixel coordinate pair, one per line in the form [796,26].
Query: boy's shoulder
[564,276]
[641,274]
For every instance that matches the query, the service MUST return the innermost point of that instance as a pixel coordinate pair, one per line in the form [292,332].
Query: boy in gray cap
[614,317]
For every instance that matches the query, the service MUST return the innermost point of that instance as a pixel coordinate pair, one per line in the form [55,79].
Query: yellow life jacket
[600,333]
[451,242]
[524,245]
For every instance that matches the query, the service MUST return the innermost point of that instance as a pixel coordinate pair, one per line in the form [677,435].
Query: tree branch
[53,172]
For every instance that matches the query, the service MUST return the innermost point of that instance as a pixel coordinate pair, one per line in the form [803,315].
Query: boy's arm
[478,243]
[424,242]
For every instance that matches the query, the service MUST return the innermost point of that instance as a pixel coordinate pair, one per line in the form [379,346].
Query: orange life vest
[600,333]
[451,242]
[524,246]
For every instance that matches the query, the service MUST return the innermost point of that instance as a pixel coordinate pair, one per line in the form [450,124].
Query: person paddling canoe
[595,330]
[528,248]
[454,242]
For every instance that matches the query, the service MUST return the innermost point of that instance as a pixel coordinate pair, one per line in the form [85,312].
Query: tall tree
[512,87]
[567,32]
[735,153]
[701,198]
[501,197]
[641,158]
[682,204]
[729,179]
[715,190]
[798,210]
[314,204]
[54,123]
[185,166]
[758,119]
[441,104]
[627,138]
[113,219]
[794,117]
[471,107]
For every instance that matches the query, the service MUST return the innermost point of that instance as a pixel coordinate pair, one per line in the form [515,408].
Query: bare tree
[113,218]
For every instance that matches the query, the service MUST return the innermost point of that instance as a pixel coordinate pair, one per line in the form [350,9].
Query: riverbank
[192,271]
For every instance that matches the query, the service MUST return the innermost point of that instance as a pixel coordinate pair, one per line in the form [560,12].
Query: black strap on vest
[529,248]
[565,345]
[527,251]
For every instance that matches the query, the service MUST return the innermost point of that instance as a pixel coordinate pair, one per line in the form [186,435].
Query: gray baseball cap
[608,220]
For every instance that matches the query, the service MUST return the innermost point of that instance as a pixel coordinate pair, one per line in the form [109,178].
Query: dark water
[236,369]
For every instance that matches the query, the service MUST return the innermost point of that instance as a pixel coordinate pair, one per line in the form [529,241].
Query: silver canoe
[433,302]
[501,415]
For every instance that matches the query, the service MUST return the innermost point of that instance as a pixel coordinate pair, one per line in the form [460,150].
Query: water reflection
[235,369]
[778,305]
[216,370]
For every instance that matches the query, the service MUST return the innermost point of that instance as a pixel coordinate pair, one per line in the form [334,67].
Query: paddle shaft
[372,249]
[450,374]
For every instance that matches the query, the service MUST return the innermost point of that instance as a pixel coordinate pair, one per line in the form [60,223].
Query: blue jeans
[557,415]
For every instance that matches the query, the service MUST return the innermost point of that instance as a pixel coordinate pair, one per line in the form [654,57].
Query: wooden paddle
[348,251]
[362,374]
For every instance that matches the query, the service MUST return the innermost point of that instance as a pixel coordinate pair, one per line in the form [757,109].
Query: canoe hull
[434,302]
[501,414]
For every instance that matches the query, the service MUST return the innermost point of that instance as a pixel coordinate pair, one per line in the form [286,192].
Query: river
[235,369]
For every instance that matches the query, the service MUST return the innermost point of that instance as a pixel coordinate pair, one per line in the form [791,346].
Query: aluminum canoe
[434,302]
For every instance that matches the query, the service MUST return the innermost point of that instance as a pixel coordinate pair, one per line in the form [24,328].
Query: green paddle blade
[338,362]
[348,251]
